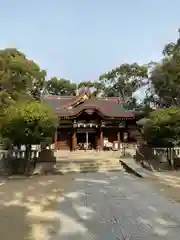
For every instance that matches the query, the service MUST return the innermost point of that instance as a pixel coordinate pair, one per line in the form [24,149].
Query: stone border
[130,169]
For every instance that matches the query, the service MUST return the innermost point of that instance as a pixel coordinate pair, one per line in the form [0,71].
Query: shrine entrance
[86,139]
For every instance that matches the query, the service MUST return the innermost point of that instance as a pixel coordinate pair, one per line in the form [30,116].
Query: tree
[164,78]
[97,88]
[164,82]
[61,87]
[20,78]
[28,123]
[163,127]
[124,81]
[169,49]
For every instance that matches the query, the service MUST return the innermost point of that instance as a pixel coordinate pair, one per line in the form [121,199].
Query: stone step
[84,167]
[73,170]
[87,161]
[87,155]
[87,165]
[113,161]
[68,167]
[88,169]
[92,158]
[84,153]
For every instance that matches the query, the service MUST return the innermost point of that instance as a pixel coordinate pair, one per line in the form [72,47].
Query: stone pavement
[115,206]
[171,178]
[95,206]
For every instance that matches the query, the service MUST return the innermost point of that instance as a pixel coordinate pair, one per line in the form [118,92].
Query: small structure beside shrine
[88,122]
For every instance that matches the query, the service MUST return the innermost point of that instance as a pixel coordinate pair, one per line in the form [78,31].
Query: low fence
[128,149]
[164,158]
[18,154]
[168,152]
[14,161]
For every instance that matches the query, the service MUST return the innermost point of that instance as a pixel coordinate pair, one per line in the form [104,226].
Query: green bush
[28,123]
[163,128]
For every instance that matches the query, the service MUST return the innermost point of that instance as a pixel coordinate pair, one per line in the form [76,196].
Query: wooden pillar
[118,139]
[74,140]
[101,139]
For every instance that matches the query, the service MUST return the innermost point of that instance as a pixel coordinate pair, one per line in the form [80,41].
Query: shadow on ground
[28,207]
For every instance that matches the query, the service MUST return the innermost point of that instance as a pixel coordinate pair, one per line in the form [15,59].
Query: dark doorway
[86,140]
[92,140]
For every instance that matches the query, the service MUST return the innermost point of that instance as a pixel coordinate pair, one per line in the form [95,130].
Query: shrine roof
[72,106]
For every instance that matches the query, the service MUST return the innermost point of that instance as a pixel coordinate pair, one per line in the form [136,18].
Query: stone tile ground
[168,183]
[92,206]
[119,206]
[28,206]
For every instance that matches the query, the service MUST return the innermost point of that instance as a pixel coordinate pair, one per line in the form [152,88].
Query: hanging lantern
[125,136]
[75,124]
[122,124]
[103,124]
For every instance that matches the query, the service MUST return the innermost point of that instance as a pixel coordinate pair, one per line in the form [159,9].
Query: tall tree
[124,81]
[19,77]
[169,49]
[61,87]
[164,79]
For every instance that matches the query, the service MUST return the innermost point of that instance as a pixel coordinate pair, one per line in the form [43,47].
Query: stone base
[44,168]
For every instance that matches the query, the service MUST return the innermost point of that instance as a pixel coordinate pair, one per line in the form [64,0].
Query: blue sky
[81,39]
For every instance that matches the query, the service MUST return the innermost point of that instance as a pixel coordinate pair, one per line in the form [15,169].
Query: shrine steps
[90,161]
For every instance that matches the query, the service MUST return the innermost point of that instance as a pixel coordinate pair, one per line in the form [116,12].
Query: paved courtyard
[92,206]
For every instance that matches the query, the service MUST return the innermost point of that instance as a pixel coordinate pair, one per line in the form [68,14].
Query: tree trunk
[27,159]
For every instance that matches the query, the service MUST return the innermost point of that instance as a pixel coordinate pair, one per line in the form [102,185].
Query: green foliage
[169,49]
[19,77]
[28,123]
[165,81]
[164,78]
[124,81]
[163,128]
[61,87]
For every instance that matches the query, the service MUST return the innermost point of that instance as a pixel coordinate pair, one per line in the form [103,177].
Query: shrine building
[88,122]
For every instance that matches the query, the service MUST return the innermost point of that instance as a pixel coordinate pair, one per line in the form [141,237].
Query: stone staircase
[87,161]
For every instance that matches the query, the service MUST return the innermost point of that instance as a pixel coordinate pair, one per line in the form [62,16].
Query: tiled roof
[108,107]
